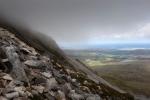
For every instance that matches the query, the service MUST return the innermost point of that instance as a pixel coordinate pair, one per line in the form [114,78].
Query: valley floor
[130,72]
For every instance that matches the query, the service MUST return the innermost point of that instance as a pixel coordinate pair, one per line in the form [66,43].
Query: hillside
[33,67]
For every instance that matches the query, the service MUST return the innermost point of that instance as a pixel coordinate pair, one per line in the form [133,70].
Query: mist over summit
[82,22]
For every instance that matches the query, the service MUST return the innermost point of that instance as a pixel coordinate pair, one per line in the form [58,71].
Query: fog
[82,22]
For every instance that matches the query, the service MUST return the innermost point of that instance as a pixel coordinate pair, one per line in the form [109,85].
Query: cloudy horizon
[83,22]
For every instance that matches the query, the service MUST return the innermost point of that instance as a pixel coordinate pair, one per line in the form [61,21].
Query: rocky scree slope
[26,73]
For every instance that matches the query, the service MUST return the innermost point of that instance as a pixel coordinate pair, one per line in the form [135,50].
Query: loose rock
[12,95]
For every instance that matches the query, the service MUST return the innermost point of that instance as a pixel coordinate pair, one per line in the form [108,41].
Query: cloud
[144,31]
[141,33]
[75,22]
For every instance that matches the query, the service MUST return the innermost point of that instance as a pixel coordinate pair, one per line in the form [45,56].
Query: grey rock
[17,71]
[74,80]
[51,83]
[47,74]
[75,96]
[33,63]
[20,90]
[3,98]
[49,96]
[21,98]
[93,97]
[60,95]
[7,77]
[12,95]
[34,92]
[66,88]
[25,50]
[4,60]
[39,88]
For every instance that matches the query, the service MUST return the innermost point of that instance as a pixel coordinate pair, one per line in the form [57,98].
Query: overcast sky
[83,22]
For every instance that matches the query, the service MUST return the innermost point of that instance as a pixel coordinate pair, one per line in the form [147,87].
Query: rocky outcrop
[32,70]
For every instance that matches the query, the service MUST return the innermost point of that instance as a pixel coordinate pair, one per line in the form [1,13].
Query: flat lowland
[129,70]
[130,76]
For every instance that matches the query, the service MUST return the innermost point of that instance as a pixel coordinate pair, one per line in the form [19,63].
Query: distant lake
[122,46]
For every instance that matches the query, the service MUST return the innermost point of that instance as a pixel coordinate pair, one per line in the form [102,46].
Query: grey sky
[74,22]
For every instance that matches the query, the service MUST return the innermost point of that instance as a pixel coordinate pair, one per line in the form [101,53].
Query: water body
[122,46]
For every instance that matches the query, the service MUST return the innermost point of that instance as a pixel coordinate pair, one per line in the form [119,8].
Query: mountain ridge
[48,47]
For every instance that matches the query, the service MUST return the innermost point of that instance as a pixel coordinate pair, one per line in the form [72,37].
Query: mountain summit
[33,67]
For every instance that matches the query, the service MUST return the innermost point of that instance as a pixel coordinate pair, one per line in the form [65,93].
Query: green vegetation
[132,76]
[128,70]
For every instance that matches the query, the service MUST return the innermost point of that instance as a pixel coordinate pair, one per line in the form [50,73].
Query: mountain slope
[33,66]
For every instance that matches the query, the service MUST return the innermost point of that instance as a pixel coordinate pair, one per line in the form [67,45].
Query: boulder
[74,96]
[93,97]
[51,83]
